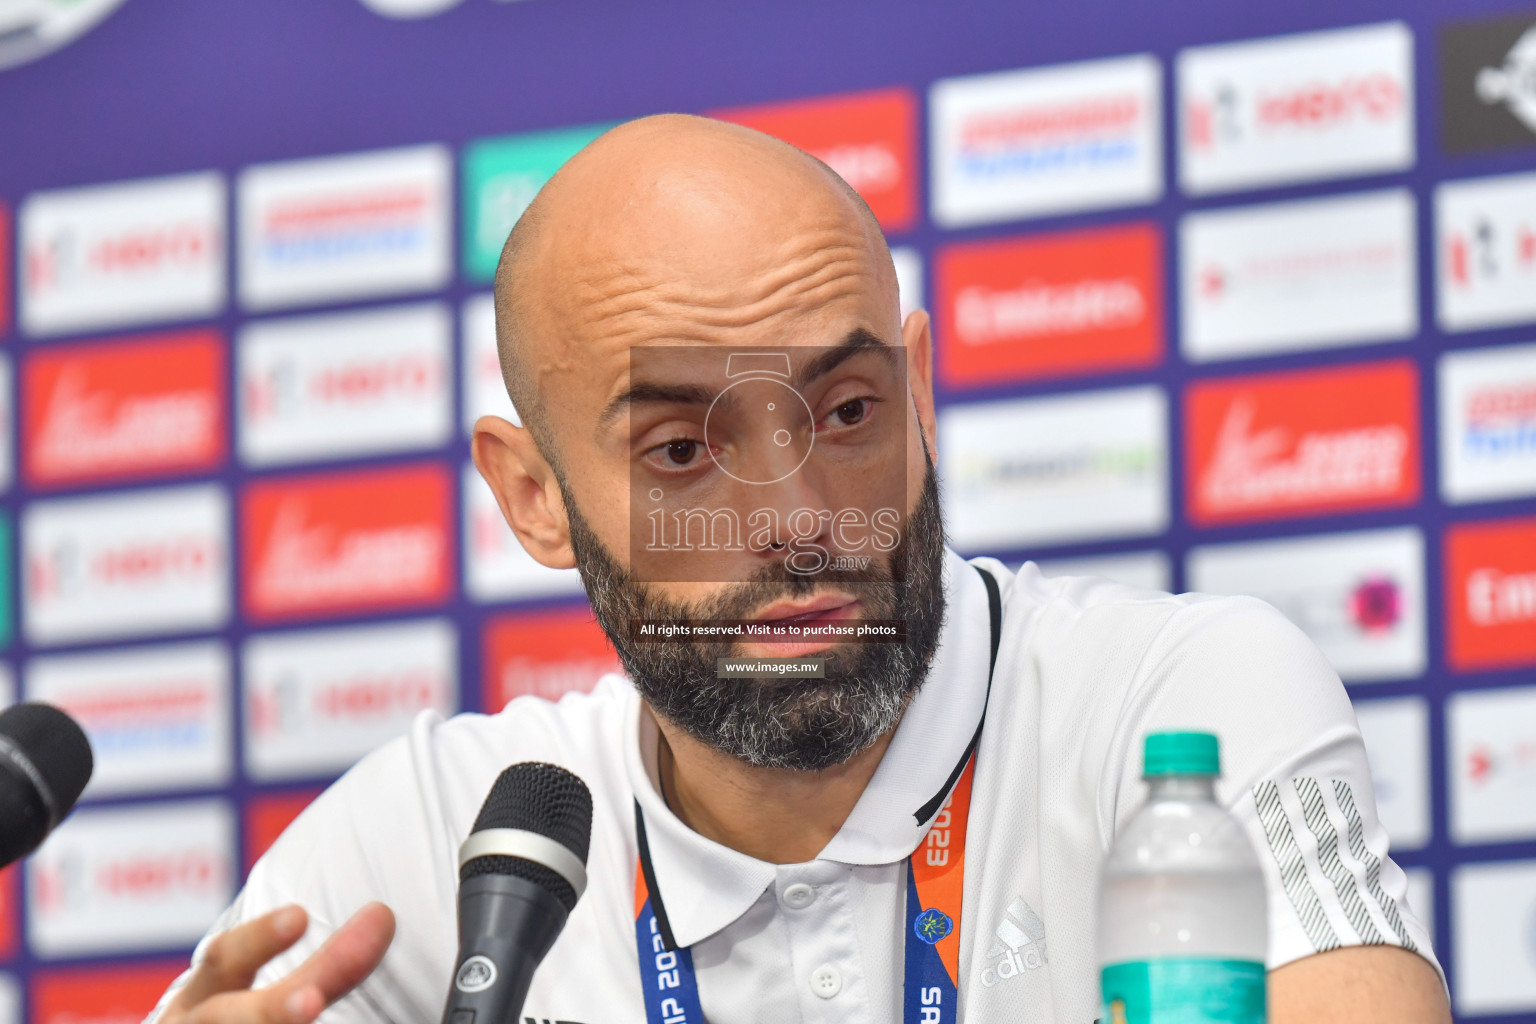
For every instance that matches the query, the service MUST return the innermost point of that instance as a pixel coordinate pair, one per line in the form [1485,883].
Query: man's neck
[772,814]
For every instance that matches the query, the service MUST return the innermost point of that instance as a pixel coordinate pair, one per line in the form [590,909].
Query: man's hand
[219,991]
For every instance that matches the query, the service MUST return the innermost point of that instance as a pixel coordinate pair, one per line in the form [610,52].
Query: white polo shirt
[1086,669]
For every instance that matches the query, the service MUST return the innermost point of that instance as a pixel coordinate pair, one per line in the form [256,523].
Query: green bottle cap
[1181,753]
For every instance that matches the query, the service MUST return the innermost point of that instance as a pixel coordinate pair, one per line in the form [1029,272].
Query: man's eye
[850,413]
[681,453]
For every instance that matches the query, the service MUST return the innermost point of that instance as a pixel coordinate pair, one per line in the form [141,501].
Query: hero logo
[869,139]
[344,227]
[1047,306]
[124,409]
[1296,108]
[316,701]
[131,878]
[370,540]
[344,384]
[1050,140]
[118,254]
[142,563]
[1491,584]
[1301,443]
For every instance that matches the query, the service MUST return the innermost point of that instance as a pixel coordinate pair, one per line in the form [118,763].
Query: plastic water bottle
[1182,928]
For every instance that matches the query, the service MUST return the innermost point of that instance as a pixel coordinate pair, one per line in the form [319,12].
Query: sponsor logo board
[1358,595]
[1492,739]
[10,926]
[346,542]
[267,816]
[1493,908]
[1490,583]
[1296,108]
[121,409]
[1488,423]
[909,278]
[1485,231]
[869,139]
[345,227]
[317,700]
[7,425]
[1046,140]
[1146,570]
[130,879]
[501,177]
[114,255]
[1302,442]
[485,392]
[1045,470]
[158,718]
[1396,733]
[5,269]
[496,566]
[1298,275]
[1488,83]
[134,564]
[345,384]
[1047,306]
[544,654]
[117,994]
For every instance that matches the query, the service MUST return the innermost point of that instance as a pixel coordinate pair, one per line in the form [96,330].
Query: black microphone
[521,871]
[45,762]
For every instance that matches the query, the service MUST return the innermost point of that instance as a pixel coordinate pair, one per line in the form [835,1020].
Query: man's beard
[795,723]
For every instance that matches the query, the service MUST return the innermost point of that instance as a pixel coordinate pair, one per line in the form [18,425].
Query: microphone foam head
[56,746]
[541,798]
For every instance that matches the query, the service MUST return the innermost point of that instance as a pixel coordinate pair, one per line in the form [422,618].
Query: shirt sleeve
[1294,771]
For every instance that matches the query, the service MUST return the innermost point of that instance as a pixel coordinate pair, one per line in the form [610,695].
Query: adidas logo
[1020,944]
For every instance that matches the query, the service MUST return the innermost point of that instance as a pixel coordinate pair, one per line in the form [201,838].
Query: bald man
[725,419]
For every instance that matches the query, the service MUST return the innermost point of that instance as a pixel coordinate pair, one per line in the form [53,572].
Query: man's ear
[917,336]
[526,489]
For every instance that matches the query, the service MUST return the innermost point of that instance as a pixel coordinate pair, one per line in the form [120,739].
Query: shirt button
[826,981]
[799,896]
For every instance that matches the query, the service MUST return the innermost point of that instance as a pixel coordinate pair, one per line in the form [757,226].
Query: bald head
[666,229]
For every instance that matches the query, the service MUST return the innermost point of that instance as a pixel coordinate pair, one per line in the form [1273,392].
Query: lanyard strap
[935,889]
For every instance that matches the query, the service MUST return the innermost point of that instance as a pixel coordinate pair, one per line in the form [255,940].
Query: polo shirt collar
[706,886]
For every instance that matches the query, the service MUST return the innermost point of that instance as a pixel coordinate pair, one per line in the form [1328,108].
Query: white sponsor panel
[1485,241]
[1068,467]
[496,566]
[1493,917]
[7,685]
[1421,896]
[345,227]
[120,565]
[317,700]
[1046,141]
[1492,740]
[7,425]
[1488,424]
[131,253]
[1359,596]
[1304,274]
[909,278]
[1296,108]
[10,999]
[131,879]
[1148,570]
[158,718]
[345,384]
[1396,732]
[485,392]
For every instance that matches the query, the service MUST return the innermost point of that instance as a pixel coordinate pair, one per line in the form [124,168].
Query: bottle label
[1192,990]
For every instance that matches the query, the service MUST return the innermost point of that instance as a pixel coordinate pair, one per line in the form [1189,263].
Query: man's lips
[829,606]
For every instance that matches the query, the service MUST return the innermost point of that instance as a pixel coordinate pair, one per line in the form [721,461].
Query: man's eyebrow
[857,340]
[671,394]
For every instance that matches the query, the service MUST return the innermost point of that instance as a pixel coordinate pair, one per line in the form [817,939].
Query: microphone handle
[506,926]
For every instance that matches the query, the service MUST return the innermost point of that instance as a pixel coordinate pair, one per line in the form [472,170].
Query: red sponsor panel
[1050,305]
[1490,594]
[122,409]
[1302,443]
[544,654]
[870,138]
[10,925]
[266,817]
[101,995]
[319,544]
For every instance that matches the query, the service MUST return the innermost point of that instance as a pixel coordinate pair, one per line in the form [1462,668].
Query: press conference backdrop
[1235,297]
